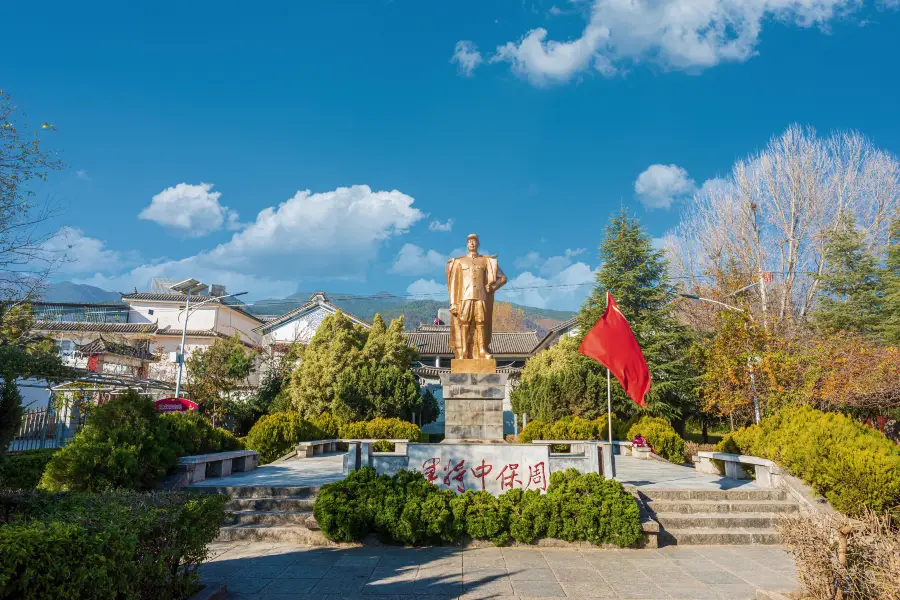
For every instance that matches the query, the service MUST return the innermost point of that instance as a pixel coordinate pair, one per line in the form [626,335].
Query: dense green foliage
[275,435]
[853,466]
[392,429]
[890,327]
[358,374]
[120,546]
[851,288]
[243,413]
[22,471]
[576,428]
[661,437]
[407,509]
[559,382]
[126,444]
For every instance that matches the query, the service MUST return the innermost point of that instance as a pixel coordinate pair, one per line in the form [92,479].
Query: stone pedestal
[473,407]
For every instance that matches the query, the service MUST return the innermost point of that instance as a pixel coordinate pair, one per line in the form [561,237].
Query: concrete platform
[657,474]
[306,472]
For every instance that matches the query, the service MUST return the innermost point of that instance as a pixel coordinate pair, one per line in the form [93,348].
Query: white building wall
[167,315]
[301,329]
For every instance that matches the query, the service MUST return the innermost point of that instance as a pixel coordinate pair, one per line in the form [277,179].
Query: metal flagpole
[612,449]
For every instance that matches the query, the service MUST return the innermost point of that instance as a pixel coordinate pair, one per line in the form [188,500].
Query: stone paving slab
[265,571]
[297,472]
[659,474]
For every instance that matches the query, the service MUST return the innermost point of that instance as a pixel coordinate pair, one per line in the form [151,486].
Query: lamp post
[188,287]
[749,359]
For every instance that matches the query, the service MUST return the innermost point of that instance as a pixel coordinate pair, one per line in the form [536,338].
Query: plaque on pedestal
[473,407]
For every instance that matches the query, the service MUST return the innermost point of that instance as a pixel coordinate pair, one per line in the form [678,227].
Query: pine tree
[890,325]
[851,294]
[636,276]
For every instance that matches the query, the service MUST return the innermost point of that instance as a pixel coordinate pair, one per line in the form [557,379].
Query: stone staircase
[732,517]
[273,514]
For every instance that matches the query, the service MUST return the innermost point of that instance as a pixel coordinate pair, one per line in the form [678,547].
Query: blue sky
[412,124]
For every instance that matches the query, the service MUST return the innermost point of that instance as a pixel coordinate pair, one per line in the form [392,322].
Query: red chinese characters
[429,469]
[482,471]
[537,475]
[455,474]
[509,480]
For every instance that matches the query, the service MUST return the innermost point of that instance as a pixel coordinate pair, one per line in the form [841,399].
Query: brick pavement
[263,571]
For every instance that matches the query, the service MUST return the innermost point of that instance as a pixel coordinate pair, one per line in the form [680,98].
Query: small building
[299,325]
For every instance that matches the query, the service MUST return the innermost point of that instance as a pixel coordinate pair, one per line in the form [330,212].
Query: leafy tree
[215,372]
[507,317]
[851,294]
[636,276]
[890,326]
[357,374]
[22,355]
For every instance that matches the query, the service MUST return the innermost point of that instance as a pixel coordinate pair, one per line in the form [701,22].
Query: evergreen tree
[890,325]
[852,294]
[636,276]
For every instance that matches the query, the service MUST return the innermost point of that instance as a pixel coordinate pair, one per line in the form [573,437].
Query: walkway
[268,572]
[665,475]
[300,472]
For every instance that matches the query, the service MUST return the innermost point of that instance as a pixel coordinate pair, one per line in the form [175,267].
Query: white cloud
[547,267]
[678,34]
[426,289]
[190,209]
[413,260]
[661,185]
[438,226]
[467,57]
[714,185]
[82,174]
[332,235]
[79,253]
[565,290]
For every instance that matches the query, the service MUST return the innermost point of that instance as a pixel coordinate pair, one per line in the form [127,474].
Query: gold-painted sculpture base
[473,365]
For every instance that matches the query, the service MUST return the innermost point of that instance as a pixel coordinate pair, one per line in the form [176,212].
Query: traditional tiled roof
[317,299]
[190,332]
[181,298]
[555,333]
[518,343]
[100,327]
[102,346]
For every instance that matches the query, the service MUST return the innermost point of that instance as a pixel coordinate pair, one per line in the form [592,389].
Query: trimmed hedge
[115,546]
[275,435]
[662,438]
[855,467]
[126,444]
[407,509]
[574,428]
[393,428]
[22,471]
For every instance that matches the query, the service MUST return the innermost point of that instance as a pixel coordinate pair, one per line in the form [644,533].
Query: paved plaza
[264,571]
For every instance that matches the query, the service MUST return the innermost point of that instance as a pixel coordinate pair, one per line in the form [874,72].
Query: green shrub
[855,467]
[191,433]
[354,431]
[112,546]
[122,446]
[591,508]
[275,435]
[407,509]
[661,437]
[23,471]
[327,425]
[573,428]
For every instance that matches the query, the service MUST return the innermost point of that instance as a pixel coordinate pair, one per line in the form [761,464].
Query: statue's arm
[501,279]
[451,284]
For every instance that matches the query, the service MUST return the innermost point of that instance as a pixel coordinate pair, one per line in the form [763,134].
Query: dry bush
[843,559]
[692,448]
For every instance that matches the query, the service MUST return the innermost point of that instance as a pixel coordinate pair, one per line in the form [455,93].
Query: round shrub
[327,425]
[481,516]
[343,510]
[122,446]
[381,428]
[573,428]
[191,433]
[23,471]
[855,467]
[275,435]
[661,437]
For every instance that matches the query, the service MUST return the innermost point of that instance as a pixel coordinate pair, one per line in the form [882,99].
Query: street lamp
[188,287]
[749,360]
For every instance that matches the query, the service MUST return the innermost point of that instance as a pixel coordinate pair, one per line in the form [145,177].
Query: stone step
[717,520]
[695,494]
[257,492]
[272,504]
[294,534]
[259,517]
[718,537]
[722,506]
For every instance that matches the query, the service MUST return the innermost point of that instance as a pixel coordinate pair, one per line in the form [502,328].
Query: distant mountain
[66,291]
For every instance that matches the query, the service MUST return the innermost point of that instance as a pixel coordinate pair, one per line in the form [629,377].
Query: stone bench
[767,472]
[219,464]
[315,448]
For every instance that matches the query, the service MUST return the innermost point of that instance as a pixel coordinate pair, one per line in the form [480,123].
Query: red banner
[175,405]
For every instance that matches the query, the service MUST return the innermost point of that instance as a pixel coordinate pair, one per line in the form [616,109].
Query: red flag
[611,343]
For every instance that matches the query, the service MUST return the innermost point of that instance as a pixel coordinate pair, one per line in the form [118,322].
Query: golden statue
[471,282]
